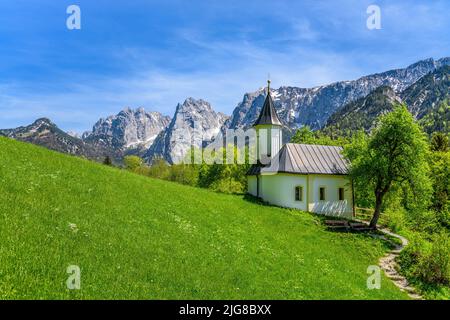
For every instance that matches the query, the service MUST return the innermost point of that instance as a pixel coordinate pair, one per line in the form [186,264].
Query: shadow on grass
[253,199]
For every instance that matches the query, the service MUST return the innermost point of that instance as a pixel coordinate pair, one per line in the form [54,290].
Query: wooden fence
[366,215]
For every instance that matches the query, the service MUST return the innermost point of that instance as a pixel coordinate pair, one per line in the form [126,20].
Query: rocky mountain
[342,106]
[302,106]
[45,133]
[361,114]
[424,99]
[129,129]
[437,119]
[194,123]
[428,92]
[128,132]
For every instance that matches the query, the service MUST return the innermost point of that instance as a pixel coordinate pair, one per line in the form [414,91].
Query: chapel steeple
[268,115]
[268,130]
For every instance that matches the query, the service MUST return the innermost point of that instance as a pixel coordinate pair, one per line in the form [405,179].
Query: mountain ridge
[297,107]
[130,128]
[422,98]
[44,132]
[152,135]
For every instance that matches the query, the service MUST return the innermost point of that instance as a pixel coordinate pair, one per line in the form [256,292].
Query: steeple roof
[268,113]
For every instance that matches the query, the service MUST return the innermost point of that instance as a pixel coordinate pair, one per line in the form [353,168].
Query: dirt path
[389,266]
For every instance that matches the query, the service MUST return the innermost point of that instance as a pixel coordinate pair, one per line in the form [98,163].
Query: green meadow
[135,237]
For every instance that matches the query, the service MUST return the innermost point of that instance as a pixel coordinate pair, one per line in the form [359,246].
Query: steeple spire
[268,113]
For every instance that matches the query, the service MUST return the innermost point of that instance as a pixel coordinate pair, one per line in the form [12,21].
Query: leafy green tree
[159,169]
[394,153]
[184,174]
[303,135]
[133,162]
[440,176]
[307,136]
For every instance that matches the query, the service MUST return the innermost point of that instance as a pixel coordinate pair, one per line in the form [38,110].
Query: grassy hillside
[135,237]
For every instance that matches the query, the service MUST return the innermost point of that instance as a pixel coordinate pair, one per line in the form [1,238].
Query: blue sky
[157,53]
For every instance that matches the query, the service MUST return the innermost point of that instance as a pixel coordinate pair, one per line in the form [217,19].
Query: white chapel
[312,178]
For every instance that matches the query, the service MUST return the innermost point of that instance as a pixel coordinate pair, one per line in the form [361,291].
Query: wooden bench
[346,225]
[337,224]
[358,226]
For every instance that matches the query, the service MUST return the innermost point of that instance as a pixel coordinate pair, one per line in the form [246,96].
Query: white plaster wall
[279,190]
[276,144]
[270,138]
[332,205]
[252,187]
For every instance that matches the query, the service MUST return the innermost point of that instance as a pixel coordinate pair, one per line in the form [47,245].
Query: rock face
[129,129]
[194,123]
[45,133]
[427,93]
[343,106]
[362,113]
[422,99]
[299,106]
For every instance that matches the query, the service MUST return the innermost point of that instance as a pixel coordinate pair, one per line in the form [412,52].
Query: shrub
[184,174]
[107,161]
[434,264]
[228,186]
[423,221]
[396,218]
[159,169]
[132,162]
[440,175]
[427,261]
[411,255]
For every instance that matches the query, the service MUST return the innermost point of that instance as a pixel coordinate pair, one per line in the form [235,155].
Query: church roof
[268,113]
[307,159]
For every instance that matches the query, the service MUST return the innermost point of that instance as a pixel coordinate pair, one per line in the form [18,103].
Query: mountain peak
[194,123]
[297,107]
[128,129]
[41,121]
[45,133]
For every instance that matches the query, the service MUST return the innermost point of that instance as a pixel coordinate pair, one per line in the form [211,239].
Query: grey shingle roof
[308,159]
[268,113]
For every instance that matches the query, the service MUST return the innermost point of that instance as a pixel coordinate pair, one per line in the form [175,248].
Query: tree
[307,136]
[394,153]
[159,169]
[303,135]
[440,177]
[439,142]
[132,162]
[107,161]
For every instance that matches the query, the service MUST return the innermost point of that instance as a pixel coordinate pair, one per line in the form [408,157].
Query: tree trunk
[376,214]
